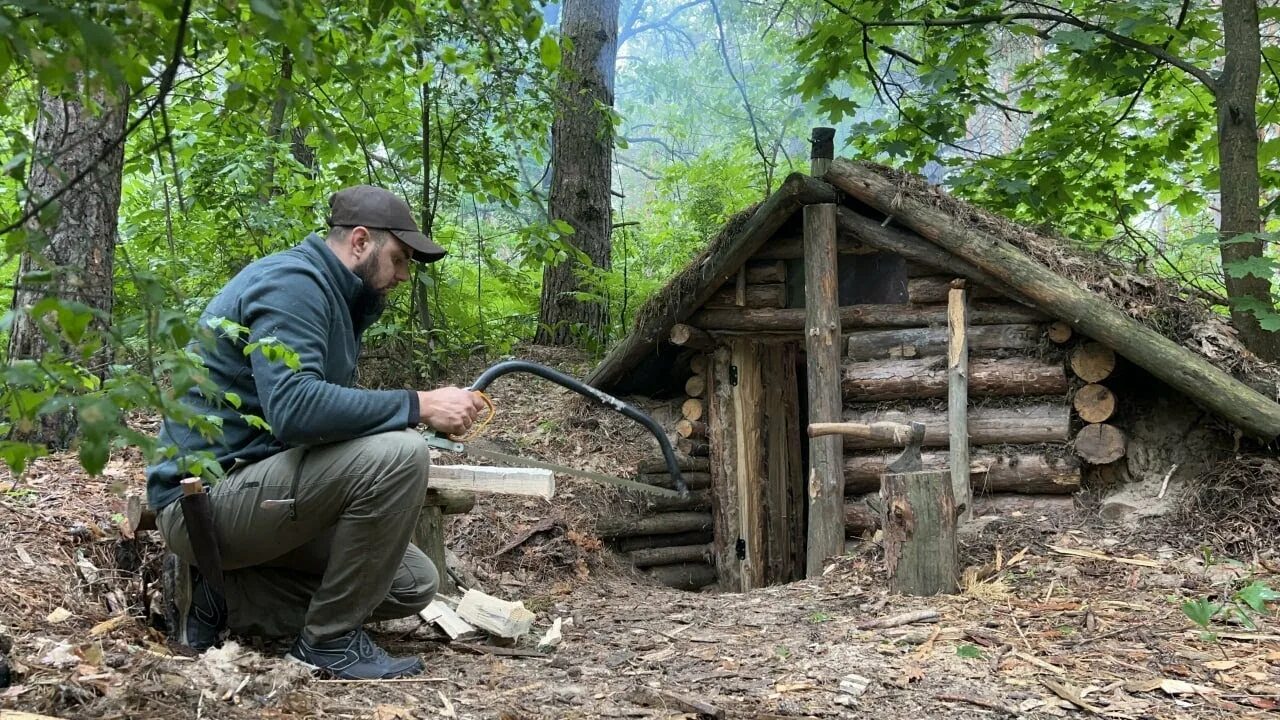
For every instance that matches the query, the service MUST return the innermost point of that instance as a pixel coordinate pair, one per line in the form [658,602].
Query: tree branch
[1154,51]
[742,89]
[166,84]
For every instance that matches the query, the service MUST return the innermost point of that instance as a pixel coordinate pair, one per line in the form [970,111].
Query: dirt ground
[1057,617]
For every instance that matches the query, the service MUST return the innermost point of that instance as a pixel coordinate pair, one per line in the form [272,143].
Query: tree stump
[919,521]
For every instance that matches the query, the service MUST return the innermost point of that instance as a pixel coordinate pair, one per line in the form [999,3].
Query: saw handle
[509,366]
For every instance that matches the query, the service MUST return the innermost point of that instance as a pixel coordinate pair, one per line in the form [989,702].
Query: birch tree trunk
[581,153]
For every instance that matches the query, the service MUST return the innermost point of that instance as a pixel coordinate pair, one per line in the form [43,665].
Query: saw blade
[482,451]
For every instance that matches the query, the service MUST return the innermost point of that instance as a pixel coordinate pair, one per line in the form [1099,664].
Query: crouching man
[314,515]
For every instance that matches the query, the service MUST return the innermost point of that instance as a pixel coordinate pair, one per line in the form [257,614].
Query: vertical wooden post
[723,438]
[429,537]
[748,408]
[822,347]
[919,520]
[958,397]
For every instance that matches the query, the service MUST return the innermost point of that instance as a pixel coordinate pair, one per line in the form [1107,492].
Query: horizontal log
[695,500]
[695,386]
[770,295]
[861,316]
[658,464]
[1093,362]
[1060,332]
[698,363]
[934,289]
[860,518]
[1101,443]
[662,524]
[922,342]
[639,542]
[694,480]
[649,557]
[691,429]
[684,576]
[696,448]
[1023,425]
[692,409]
[1027,473]
[486,479]
[1094,403]
[691,337]
[792,248]
[766,271]
[874,380]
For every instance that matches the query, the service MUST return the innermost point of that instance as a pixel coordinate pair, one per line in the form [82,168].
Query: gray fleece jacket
[307,299]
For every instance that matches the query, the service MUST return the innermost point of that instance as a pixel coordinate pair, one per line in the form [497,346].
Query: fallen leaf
[392,712]
[910,674]
[794,687]
[1181,687]
[59,615]
[1221,664]
[107,626]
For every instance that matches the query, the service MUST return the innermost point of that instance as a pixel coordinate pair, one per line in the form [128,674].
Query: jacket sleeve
[302,407]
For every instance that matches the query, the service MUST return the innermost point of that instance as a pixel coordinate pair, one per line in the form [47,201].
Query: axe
[910,436]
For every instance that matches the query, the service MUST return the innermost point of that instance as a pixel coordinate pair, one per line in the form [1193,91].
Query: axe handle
[896,433]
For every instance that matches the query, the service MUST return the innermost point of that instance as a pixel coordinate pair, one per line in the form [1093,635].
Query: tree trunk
[79,241]
[1237,97]
[581,152]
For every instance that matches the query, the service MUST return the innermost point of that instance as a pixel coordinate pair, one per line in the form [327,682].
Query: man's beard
[367,270]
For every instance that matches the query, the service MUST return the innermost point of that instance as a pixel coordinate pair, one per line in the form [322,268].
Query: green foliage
[1244,605]
[969,652]
[1073,124]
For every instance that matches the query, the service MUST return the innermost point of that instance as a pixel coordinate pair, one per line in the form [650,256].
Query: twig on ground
[973,700]
[918,616]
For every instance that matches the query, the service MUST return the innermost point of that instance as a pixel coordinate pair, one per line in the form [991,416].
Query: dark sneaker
[352,656]
[197,614]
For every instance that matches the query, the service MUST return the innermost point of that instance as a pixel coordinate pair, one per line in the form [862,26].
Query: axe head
[909,460]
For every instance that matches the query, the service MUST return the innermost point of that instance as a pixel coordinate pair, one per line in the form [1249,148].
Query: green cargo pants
[339,557]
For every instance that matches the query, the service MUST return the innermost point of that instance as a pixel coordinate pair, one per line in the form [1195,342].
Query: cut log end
[695,386]
[692,338]
[692,409]
[1094,403]
[1100,444]
[691,429]
[1059,332]
[1093,361]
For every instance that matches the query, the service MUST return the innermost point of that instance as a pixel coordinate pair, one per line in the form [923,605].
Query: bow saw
[446,443]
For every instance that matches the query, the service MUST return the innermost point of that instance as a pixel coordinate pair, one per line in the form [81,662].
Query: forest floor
[1058,617]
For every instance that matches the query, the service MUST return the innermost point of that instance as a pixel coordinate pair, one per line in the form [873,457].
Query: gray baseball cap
[379,209]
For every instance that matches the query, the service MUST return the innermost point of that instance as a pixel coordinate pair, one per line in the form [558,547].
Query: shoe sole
[327,674]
